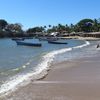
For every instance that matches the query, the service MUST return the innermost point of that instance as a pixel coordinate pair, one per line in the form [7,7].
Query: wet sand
[68,80]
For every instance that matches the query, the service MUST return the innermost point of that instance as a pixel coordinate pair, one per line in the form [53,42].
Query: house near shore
[91,34]
[82,34]
[54,34]
[70,34]
[37,34]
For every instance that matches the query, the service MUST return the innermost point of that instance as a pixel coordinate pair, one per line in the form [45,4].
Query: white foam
[27,63]
[86,44]
[16,69]
[39,73]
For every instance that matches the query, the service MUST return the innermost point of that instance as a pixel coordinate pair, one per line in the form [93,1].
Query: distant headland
[83,26]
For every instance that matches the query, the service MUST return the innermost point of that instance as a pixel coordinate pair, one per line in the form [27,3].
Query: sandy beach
[81,38]
[68,80]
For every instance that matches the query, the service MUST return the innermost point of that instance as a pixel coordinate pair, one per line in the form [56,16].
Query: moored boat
[18,39]
[47,39]
[27,37]
[57,42]
[28,44]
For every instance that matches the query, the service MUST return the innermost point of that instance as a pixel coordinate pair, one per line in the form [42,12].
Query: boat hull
[56,42]
[18,39]
[47,39]
[28,44]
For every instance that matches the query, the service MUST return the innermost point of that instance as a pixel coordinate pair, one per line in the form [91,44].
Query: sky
[31,13]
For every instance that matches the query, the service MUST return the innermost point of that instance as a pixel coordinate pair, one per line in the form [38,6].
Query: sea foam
[80,46]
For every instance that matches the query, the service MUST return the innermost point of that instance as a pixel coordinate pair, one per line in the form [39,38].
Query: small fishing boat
[27,37]
[57,42]
[18,39]
[47,39]
[28,44]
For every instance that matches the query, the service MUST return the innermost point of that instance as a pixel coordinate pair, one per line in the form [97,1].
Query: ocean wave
[41,71]
[80,46]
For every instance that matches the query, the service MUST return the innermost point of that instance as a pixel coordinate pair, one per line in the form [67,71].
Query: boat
[47,39]
[18,39]
[28,44]
[57,42]
[27,37]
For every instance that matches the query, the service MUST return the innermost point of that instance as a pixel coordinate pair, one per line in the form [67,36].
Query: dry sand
[70,80]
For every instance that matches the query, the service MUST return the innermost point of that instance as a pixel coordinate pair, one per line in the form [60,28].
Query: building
[92,34]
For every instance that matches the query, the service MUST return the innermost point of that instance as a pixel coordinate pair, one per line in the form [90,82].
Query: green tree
[3,23]
[35,29]
[95,26]
[71,28]
[15,29]
[86,25]
[67,28]
[53,29]
[61,28]
[49,26]
[77,28]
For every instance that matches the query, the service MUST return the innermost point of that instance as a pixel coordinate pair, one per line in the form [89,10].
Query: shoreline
[69,80]
[81,38]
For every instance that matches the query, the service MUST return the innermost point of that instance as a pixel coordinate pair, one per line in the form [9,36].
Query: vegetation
[15,30]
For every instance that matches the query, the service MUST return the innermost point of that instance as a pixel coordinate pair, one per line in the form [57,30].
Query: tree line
[15,30]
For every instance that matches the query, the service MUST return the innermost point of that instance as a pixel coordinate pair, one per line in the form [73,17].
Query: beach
[68,80]
[49,51]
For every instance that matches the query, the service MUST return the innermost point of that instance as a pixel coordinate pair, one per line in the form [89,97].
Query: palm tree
[49,26]
[45,27]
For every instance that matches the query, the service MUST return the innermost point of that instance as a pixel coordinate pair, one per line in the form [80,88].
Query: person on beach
[98,45]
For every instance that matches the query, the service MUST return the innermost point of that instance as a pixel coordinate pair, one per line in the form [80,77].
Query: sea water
[21,63]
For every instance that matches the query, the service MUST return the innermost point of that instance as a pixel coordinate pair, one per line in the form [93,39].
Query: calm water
[18,63]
